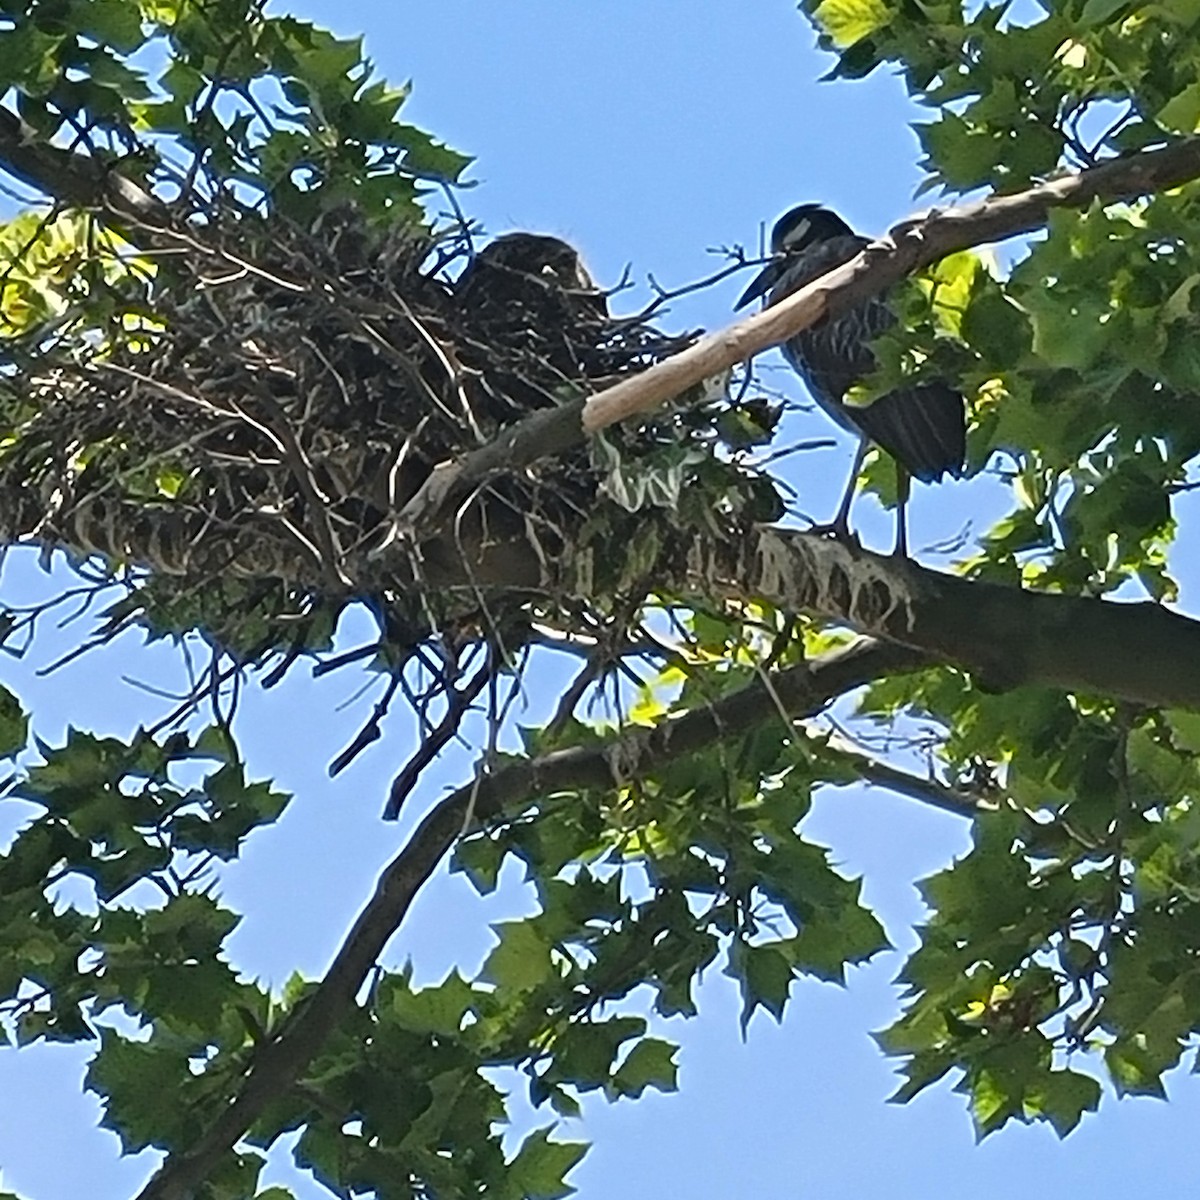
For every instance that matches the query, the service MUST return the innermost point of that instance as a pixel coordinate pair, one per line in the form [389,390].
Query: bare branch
[924,789]
[458,703]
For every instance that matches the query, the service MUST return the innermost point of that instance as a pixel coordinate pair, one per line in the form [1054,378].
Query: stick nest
[235,419]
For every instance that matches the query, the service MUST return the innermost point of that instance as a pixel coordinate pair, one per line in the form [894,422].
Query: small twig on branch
[458,702]
[371,731]
[591,670]
[663,296]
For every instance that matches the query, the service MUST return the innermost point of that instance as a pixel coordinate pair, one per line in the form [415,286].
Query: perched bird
[531,293]
[535,272]
[923,427]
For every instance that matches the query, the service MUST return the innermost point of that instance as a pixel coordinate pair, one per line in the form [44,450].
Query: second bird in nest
[923,426]
[531,297]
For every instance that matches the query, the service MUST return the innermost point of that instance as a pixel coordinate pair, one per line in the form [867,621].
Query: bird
[532,271]
[922,426]
[531,293]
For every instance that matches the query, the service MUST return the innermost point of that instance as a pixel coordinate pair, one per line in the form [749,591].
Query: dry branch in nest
[240,415]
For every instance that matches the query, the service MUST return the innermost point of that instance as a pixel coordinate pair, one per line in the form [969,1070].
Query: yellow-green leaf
[849,21]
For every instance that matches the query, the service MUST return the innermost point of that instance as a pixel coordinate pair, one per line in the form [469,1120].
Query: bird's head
[520,277]
[799,228]
[540,256]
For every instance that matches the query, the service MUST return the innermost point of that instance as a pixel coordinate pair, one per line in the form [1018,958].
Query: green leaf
[1063,1098]
[540,1167]
[144,1101]
[321,1150]
[1133,1070]
[584,1052]
[764,974]
[440,1009]
[427,156]
[1181,12]
[234,1177]
[651,1063]
[521,961]
[1185,729]
[480,858]
[1097,12]
[921,1070]
[997,327]
[216,741]
[829,941]
[1010,1074]
[14,725]
[1182,112]
[965,155]
[113,23]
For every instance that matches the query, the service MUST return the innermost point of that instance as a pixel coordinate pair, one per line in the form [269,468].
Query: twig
[458,702]
[915,787]
[370,732]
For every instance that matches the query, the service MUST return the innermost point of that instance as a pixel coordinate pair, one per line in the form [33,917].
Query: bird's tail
[923,428]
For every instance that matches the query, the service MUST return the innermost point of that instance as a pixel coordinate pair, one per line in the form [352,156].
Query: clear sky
[644,133]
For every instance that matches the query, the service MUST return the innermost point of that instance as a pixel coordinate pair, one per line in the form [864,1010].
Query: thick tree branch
[803,690]
[72,178]
[1139,652]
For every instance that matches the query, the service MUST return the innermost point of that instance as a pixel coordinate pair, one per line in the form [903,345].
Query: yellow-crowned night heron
[923,427]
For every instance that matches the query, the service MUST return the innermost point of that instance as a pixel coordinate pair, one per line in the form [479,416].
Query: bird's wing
[924,428]
[832,356]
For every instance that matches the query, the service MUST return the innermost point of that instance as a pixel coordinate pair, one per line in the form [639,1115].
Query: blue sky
[644,133]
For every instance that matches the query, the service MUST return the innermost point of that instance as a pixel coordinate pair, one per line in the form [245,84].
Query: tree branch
[75,178]
[913,787]
[804,690]
[1139,652]
[458,704]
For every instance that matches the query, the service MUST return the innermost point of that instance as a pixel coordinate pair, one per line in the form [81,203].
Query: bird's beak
[761,284]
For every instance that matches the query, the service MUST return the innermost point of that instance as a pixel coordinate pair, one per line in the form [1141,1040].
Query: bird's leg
[903,488]
[840,525]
